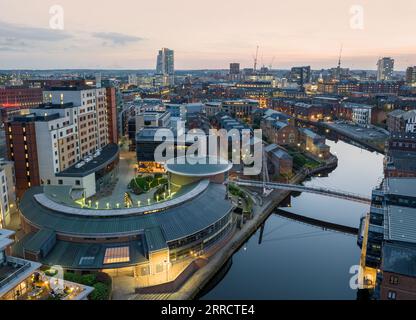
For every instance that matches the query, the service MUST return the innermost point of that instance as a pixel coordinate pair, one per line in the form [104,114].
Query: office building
[301,75]
[385,67]
[411,76]
[20,97]
[234,68]
[166,66]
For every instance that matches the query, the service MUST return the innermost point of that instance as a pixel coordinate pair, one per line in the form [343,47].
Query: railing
[317,190]
[23,266]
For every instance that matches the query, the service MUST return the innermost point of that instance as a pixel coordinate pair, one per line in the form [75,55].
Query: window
[392,295]
[159,268]
[117,255]
[78,183]
[144,271]
[60,182]
[394,280]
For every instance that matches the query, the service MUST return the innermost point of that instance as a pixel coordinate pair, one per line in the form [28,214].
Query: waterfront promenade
[201,277]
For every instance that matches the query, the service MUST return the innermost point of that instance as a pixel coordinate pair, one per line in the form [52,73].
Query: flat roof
[10,278]
[401,186]
[399,259]
[198,166]
[108,154]
[400,224]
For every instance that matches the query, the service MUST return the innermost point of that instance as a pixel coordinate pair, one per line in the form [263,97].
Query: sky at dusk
[126,34]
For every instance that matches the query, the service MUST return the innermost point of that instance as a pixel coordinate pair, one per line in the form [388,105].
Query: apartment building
[7,192]
[71,127]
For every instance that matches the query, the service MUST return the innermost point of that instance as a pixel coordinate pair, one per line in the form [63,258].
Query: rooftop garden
[100,281]
[143,184]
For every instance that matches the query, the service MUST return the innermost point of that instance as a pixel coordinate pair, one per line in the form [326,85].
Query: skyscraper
[234,68]
[234,71]
[385,67]
[166,66]
[411,76]
[165,62]
[301,75]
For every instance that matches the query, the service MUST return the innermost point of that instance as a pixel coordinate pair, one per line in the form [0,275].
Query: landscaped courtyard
[131,189]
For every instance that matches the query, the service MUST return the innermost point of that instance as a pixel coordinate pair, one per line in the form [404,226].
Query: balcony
[12,269]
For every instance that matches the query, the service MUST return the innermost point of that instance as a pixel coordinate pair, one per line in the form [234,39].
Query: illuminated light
[118,206]
[108,205]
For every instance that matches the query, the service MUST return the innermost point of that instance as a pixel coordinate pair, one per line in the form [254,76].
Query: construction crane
[256,57]
[340,56]
[338,75]
[271,63]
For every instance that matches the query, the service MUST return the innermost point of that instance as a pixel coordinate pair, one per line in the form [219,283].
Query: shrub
[163,181]
[73,277]
[158,176]
[154,184]
[104,278]
[88,279]
[101,292]
[159,193]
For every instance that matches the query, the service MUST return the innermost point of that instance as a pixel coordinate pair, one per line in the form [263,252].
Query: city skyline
[203,37]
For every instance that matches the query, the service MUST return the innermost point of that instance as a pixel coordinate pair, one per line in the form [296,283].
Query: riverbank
[289,259]
[371,138]
[210,266]
[203,276]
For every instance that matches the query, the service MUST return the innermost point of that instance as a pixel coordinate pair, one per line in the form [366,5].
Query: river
[299,261]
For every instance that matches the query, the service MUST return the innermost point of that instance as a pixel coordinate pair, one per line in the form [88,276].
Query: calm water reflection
[298,261]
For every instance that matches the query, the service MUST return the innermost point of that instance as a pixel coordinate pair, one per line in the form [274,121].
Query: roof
[310,133]
[400,224]
[270,147]
[399,259]
[281,154]
[39,239]
[198,167]
[177,222]
[396,113]
[155,239]
[108,154]
[74,255]
[401,186]
[279,124]
[357,105]
[149,133]
[402,161]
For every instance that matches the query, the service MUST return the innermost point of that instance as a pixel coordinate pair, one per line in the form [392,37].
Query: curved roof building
[144,240]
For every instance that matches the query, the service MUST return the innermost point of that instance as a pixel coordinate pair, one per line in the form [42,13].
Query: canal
[299,261]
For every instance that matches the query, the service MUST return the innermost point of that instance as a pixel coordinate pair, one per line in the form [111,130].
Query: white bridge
[310,189]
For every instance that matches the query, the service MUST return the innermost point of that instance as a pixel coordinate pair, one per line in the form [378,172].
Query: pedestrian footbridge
[310,189]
